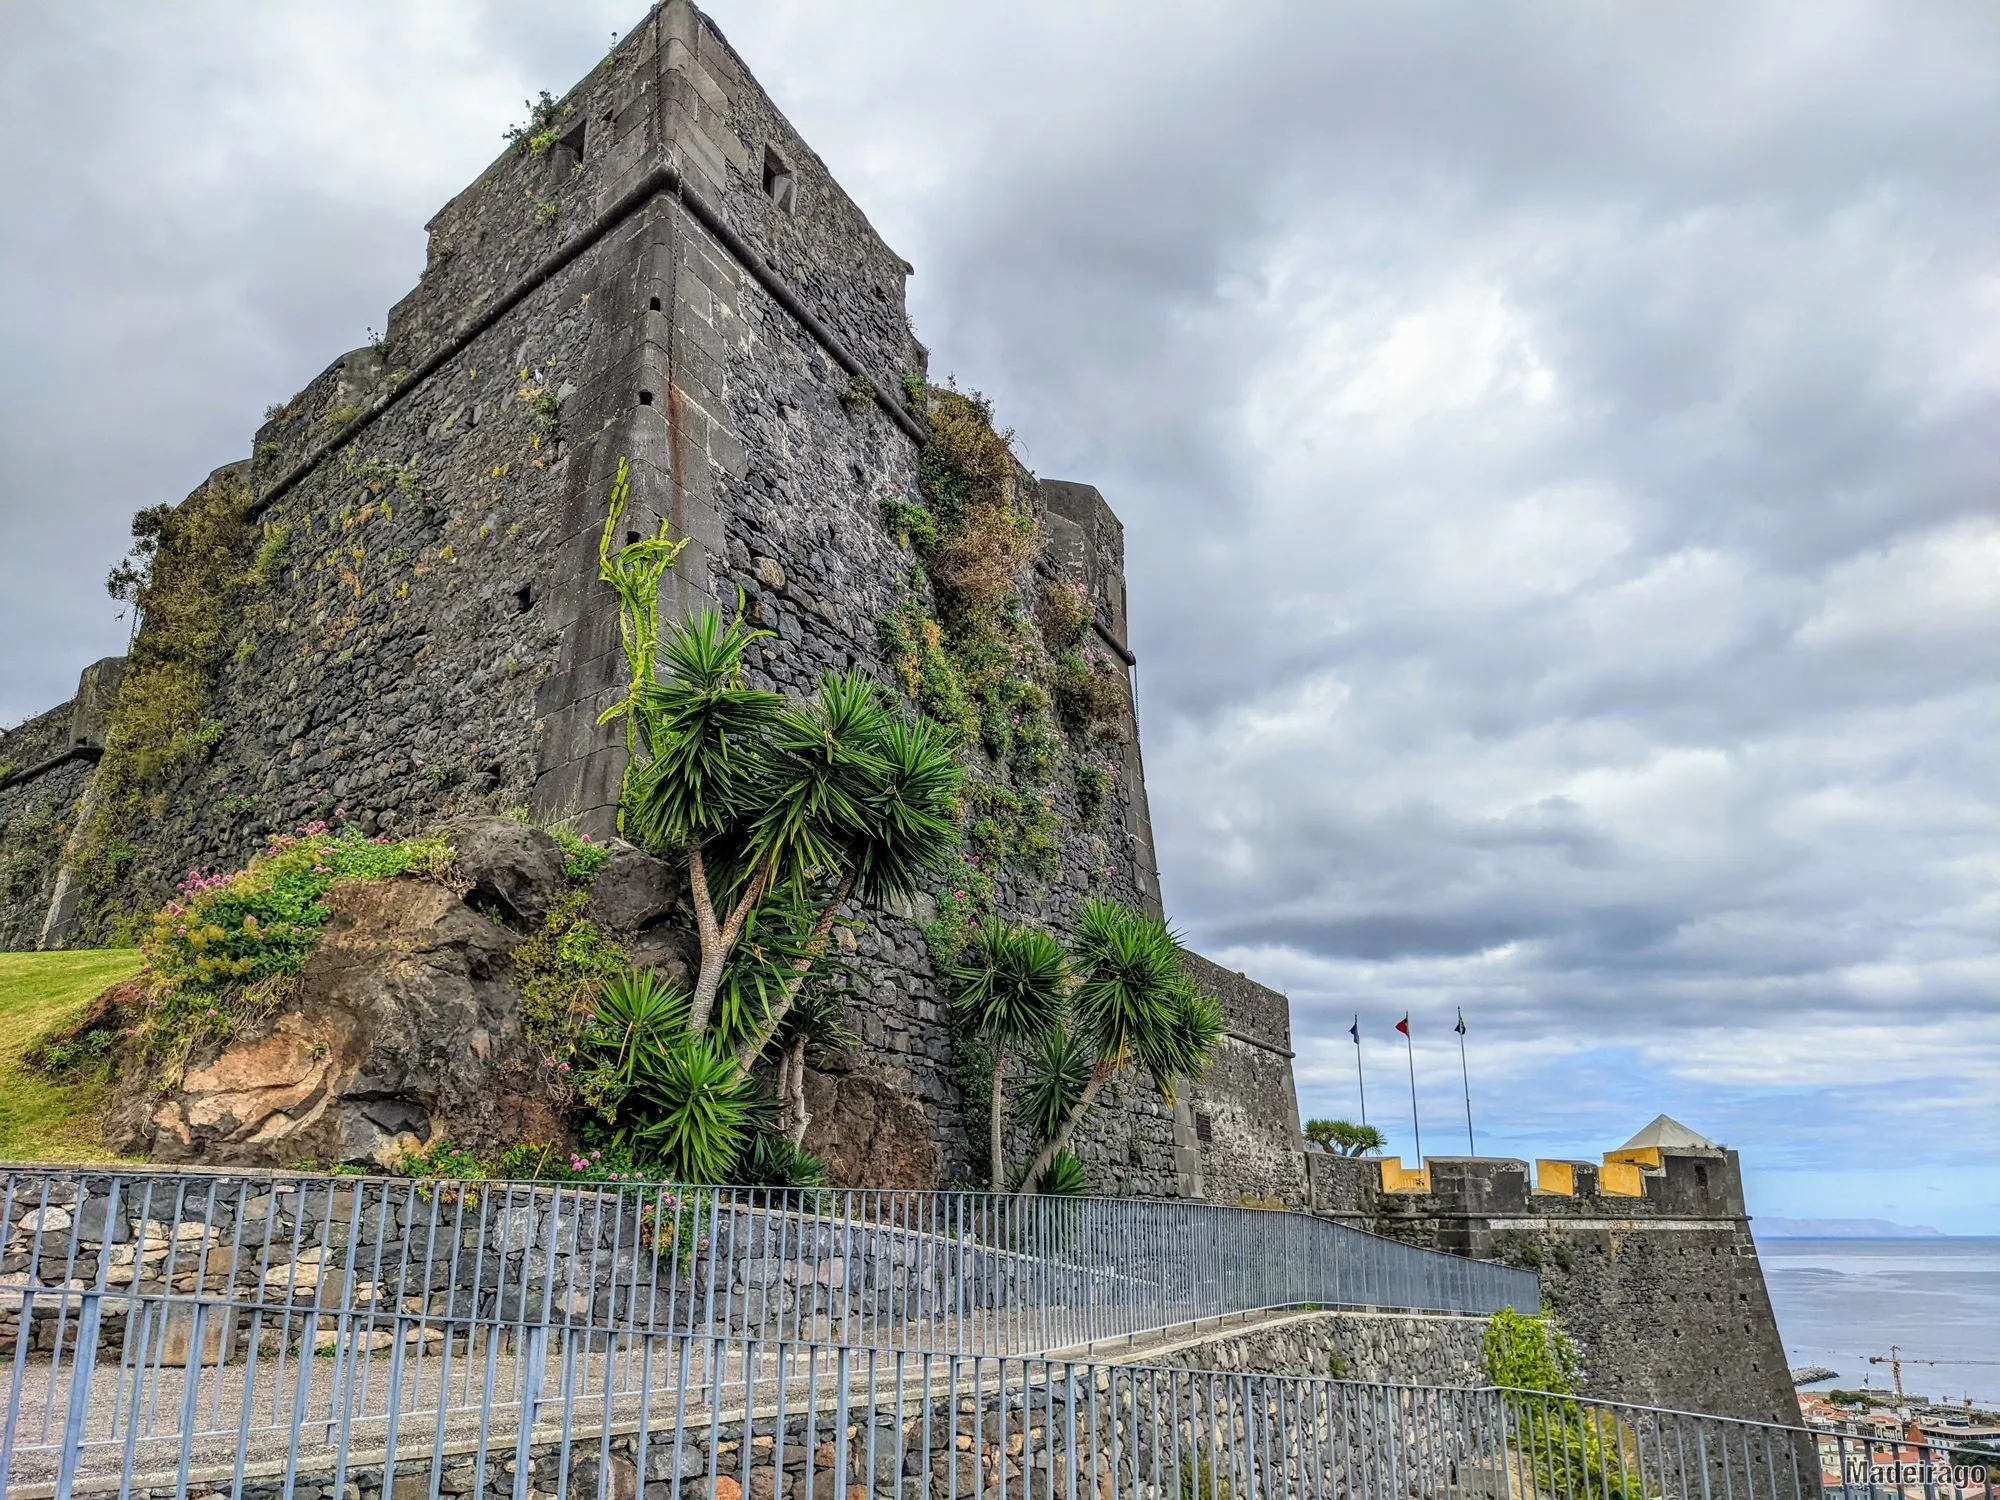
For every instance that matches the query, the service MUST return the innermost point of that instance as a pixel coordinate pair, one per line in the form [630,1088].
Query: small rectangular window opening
[1204,1127]
[645,398]
[655,304]
[573,142]
[779,184]
[524,598]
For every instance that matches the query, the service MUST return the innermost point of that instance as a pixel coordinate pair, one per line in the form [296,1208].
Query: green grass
[40,1120]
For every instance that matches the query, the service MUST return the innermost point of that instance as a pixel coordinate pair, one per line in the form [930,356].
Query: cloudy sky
[1557,445]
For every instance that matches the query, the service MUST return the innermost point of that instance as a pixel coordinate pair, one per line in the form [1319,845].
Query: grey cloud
[1588,757]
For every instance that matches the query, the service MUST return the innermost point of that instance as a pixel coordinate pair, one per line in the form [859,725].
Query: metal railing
[168,1333]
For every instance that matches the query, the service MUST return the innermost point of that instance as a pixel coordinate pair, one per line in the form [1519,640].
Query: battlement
[1651,1179]
[1645,1252]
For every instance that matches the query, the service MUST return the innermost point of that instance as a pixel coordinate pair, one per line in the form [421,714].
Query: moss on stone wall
[980,644]
[187,575]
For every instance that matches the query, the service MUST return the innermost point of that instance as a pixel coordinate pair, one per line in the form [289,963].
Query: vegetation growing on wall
[31,842]
[1012,676]
[781,812]
[541,133]
[1579,1449]
[186,575]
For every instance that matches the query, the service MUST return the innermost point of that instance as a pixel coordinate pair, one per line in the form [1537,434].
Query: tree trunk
[709,978]
[716,938]
[750,1051]
[784,1092]
[1060,1140]
[996,1170]
[800,1118]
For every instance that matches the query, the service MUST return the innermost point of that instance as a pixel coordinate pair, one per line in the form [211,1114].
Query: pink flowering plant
[226,940]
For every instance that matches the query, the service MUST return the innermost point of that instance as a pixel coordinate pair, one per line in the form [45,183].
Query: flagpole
[1466,1078]
[1411,1048]
[1360,1084]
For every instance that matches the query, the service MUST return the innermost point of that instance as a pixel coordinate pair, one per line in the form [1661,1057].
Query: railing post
[84,1367]
[537,1342]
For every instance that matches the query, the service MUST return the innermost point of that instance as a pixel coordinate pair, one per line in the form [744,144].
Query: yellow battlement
[1397,1178]
[1637,1156]
[1622,1179]
[1556,1177]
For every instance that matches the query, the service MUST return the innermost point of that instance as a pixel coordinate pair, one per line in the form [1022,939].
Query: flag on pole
[1360,1084]
[1409,1046]
[1471,1149]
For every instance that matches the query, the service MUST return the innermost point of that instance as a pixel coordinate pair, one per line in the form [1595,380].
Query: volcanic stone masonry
[669,277]
[1647,1257]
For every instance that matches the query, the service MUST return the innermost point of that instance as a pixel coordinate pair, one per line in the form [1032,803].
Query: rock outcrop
[870,1133]
[406,1026]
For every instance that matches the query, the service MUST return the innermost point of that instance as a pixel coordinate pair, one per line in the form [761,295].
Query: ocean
[1839,1301]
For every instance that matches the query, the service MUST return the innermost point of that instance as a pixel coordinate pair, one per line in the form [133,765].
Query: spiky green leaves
[1133,1005]
[694,1109]
[841,786]
[704,730]
[911,831]
[1058,1073]
[1130,989]
[1011,985]
[1063,1177]
[639,1016]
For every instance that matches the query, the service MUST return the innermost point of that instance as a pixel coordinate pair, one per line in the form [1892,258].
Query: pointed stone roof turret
[1669,1134]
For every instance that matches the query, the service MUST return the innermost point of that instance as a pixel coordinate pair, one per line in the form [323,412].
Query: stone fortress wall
[46,767]
[678,284]
[1646,1256]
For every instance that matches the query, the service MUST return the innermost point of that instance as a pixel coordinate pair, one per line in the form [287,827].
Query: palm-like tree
[1343,1137]
[817,1022]
[866,807]
[701,728]
[1133,1004]
[1010,996]
[835,798]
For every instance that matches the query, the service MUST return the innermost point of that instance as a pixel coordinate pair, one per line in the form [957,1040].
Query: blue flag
[1355,1030]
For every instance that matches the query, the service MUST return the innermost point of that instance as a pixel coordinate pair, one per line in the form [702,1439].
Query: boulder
[511,867]
[869,1133]
[405,1025]
[633,890]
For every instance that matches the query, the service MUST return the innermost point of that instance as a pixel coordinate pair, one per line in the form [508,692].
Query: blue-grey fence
[170,1333]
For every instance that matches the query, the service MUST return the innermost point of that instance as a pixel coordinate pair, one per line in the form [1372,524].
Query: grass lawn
[39,1120]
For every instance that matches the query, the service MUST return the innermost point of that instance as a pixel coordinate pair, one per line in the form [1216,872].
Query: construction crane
[1895,1361]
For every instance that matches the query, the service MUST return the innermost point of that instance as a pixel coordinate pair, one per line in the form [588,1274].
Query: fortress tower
[659,273]
[1646,1255]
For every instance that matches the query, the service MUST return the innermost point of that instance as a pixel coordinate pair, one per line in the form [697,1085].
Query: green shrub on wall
[1010,675]
[1570,1447]
[228,946]
[187,575]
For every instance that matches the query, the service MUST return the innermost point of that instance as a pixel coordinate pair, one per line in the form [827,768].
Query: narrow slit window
[780,186]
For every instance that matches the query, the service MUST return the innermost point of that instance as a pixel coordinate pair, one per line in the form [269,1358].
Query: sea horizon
[1936,1297]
